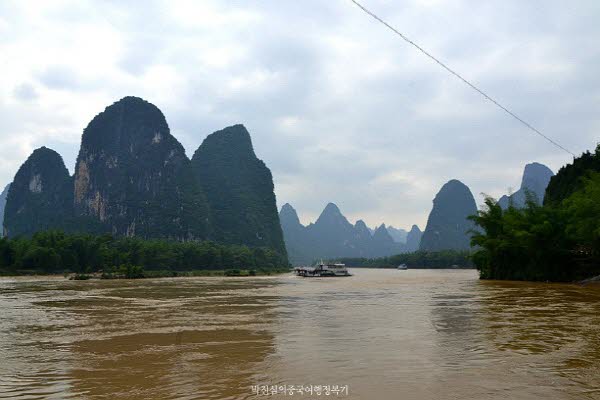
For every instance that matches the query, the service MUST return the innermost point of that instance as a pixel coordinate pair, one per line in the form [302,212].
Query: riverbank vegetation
[136,272]
[54,252]
[417,259]
[558,241]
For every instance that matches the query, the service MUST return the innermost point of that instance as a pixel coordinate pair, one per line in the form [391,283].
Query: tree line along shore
[55,252]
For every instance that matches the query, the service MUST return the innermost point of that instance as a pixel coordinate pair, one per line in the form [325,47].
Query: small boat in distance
[323,270]
[403,267]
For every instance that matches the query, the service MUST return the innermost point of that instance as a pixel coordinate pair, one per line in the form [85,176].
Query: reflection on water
[528,340]
[387,334]
[185,338]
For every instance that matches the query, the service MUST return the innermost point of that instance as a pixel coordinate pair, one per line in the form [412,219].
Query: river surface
[383,334]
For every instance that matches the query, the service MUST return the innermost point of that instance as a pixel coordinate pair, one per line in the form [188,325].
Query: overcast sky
[339,108]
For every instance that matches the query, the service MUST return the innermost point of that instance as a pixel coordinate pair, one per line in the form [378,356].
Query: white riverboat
[323,270]
[402,267]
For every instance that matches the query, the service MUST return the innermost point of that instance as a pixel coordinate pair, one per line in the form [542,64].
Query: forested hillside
[133,179]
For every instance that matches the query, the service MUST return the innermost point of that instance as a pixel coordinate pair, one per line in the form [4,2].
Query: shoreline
[224,273]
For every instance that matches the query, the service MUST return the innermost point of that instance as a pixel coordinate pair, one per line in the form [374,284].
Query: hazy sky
[338,107]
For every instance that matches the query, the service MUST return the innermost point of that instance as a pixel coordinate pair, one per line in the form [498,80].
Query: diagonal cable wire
[456,74]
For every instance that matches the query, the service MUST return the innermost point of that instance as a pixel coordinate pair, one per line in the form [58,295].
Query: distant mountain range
[133,178]
[448,226]
[398,234]
[333,236]
[403,236]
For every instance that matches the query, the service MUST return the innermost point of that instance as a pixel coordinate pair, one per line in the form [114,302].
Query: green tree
[583,212]
[42,258]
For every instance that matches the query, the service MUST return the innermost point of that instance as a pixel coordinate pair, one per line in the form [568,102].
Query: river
[382,334]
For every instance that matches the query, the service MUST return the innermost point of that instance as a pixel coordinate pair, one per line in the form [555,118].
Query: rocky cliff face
[413,239]
[133,178]
[3,204]
[40,195]
[448,226]
[535,180]
[239,189]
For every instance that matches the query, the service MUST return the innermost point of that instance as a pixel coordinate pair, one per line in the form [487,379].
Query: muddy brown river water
[383,334]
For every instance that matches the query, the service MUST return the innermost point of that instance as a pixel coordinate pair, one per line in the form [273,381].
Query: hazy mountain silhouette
[447,225]
[413,239]
[535,180]
[333,236]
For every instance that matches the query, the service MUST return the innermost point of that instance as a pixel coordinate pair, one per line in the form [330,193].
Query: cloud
[60,78]
[339,108]
[25,92]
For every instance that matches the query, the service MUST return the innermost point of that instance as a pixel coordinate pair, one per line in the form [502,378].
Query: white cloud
[339,108]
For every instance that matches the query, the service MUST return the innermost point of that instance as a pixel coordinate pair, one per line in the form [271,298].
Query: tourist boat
[402,267]
[323,270]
